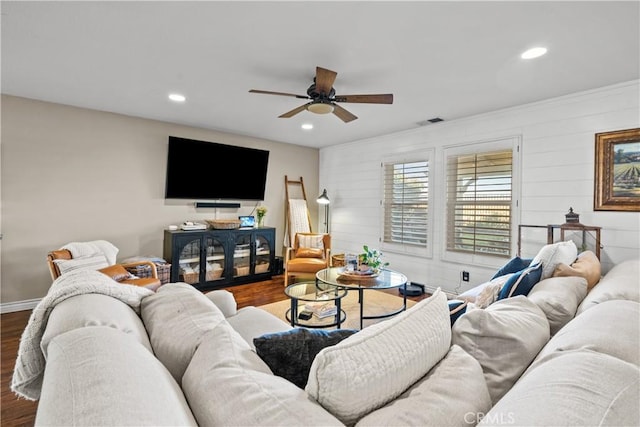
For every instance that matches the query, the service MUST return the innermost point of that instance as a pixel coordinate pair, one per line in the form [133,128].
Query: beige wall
[72,174]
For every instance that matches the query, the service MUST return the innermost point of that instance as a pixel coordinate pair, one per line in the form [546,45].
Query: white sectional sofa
[178,357]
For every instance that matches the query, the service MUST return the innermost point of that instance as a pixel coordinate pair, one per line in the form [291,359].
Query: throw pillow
[456,309]
[587,265]
[521,283]
[312,241]
[491,291]
[309,253]
[376,365]
[553,254]
[93,262]
[289,354]
[514,265]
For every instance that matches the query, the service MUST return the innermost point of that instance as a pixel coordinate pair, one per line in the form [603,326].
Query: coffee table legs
[380,316]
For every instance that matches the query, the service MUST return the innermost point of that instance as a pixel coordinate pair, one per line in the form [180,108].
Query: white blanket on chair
[84,249]
[29,369]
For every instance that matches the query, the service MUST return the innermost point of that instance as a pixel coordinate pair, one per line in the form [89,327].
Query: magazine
[322,309]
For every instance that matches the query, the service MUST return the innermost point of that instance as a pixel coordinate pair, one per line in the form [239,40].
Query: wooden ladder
[297,218]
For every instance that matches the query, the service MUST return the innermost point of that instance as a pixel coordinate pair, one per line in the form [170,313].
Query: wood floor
[21,412]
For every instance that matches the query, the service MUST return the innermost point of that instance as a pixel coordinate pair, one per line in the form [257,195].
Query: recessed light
[534,53]
[177,97]
[307,126]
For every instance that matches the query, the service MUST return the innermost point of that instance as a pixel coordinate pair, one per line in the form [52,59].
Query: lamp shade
[323,199]
[320,108]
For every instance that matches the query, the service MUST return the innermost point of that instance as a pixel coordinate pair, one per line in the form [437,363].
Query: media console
[209,259]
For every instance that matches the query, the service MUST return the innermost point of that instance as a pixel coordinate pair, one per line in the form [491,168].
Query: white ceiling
[446,59]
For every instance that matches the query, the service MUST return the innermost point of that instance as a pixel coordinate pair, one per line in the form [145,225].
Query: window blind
[406,197]
[479,194]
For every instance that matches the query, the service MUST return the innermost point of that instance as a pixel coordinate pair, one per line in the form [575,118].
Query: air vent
[427,122]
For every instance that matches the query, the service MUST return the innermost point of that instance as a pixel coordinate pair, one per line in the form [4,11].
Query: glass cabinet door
[215,259]
[189,262]
[242,255]
[262,255]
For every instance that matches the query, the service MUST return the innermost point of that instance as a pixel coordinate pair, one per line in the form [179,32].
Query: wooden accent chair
[117,272]
[310,253]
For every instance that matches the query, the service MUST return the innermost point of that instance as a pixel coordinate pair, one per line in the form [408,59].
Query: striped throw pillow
[93,262]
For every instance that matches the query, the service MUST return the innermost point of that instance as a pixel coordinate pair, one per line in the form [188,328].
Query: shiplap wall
[557,172]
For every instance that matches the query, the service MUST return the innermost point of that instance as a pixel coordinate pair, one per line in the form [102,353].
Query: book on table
[322,309]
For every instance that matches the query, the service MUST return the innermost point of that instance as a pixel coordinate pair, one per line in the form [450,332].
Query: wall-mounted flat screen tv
[210,171]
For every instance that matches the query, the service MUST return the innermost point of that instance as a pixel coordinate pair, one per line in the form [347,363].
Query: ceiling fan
[324,99]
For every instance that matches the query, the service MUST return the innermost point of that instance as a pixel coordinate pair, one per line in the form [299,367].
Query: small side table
[310,292]
[566,227]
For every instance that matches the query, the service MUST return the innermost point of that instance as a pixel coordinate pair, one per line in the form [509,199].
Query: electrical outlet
[465,276]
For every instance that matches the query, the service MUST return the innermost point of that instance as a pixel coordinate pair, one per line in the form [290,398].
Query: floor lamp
[323,199]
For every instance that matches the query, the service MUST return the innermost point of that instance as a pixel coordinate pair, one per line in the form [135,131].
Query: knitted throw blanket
[30,363]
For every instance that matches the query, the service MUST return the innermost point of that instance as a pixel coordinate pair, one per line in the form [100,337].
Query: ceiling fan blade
[343,114]
[382,98]
[268,92]
[294,111]
[324,80]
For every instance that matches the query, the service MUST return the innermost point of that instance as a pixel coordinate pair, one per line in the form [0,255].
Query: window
[406,203]
[479,202]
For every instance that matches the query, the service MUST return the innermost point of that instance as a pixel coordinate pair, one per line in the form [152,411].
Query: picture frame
[617,171]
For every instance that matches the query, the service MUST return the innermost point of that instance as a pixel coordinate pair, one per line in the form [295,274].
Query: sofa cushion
[93,310]
[514,265]
[225,301]
[587,265]
[102,376]
[376,365]
[553,254]
[572,388]
[558,298]
[451,394]
[289,354]
[251,322]
[592,330]
[504,338]
[177,316]
[621,282]
[227,384]
[521,282]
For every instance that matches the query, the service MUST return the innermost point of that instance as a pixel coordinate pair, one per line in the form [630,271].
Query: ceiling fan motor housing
[315,95]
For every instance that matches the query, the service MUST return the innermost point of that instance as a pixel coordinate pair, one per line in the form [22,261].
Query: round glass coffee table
[316,295]
[385,279]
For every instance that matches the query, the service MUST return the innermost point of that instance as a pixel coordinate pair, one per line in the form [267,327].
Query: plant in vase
[372,258]
[261,211]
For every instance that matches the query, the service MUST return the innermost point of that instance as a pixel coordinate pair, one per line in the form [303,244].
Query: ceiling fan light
[320,108]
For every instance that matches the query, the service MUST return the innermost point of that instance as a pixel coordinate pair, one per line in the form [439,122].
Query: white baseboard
[10,307]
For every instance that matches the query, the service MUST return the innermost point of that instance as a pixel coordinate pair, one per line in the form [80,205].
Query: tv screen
[209,170]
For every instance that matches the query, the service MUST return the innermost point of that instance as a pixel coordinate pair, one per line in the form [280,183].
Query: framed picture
[617,174]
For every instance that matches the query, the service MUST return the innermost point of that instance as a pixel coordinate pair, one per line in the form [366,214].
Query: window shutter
[479,193]
[406,197]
